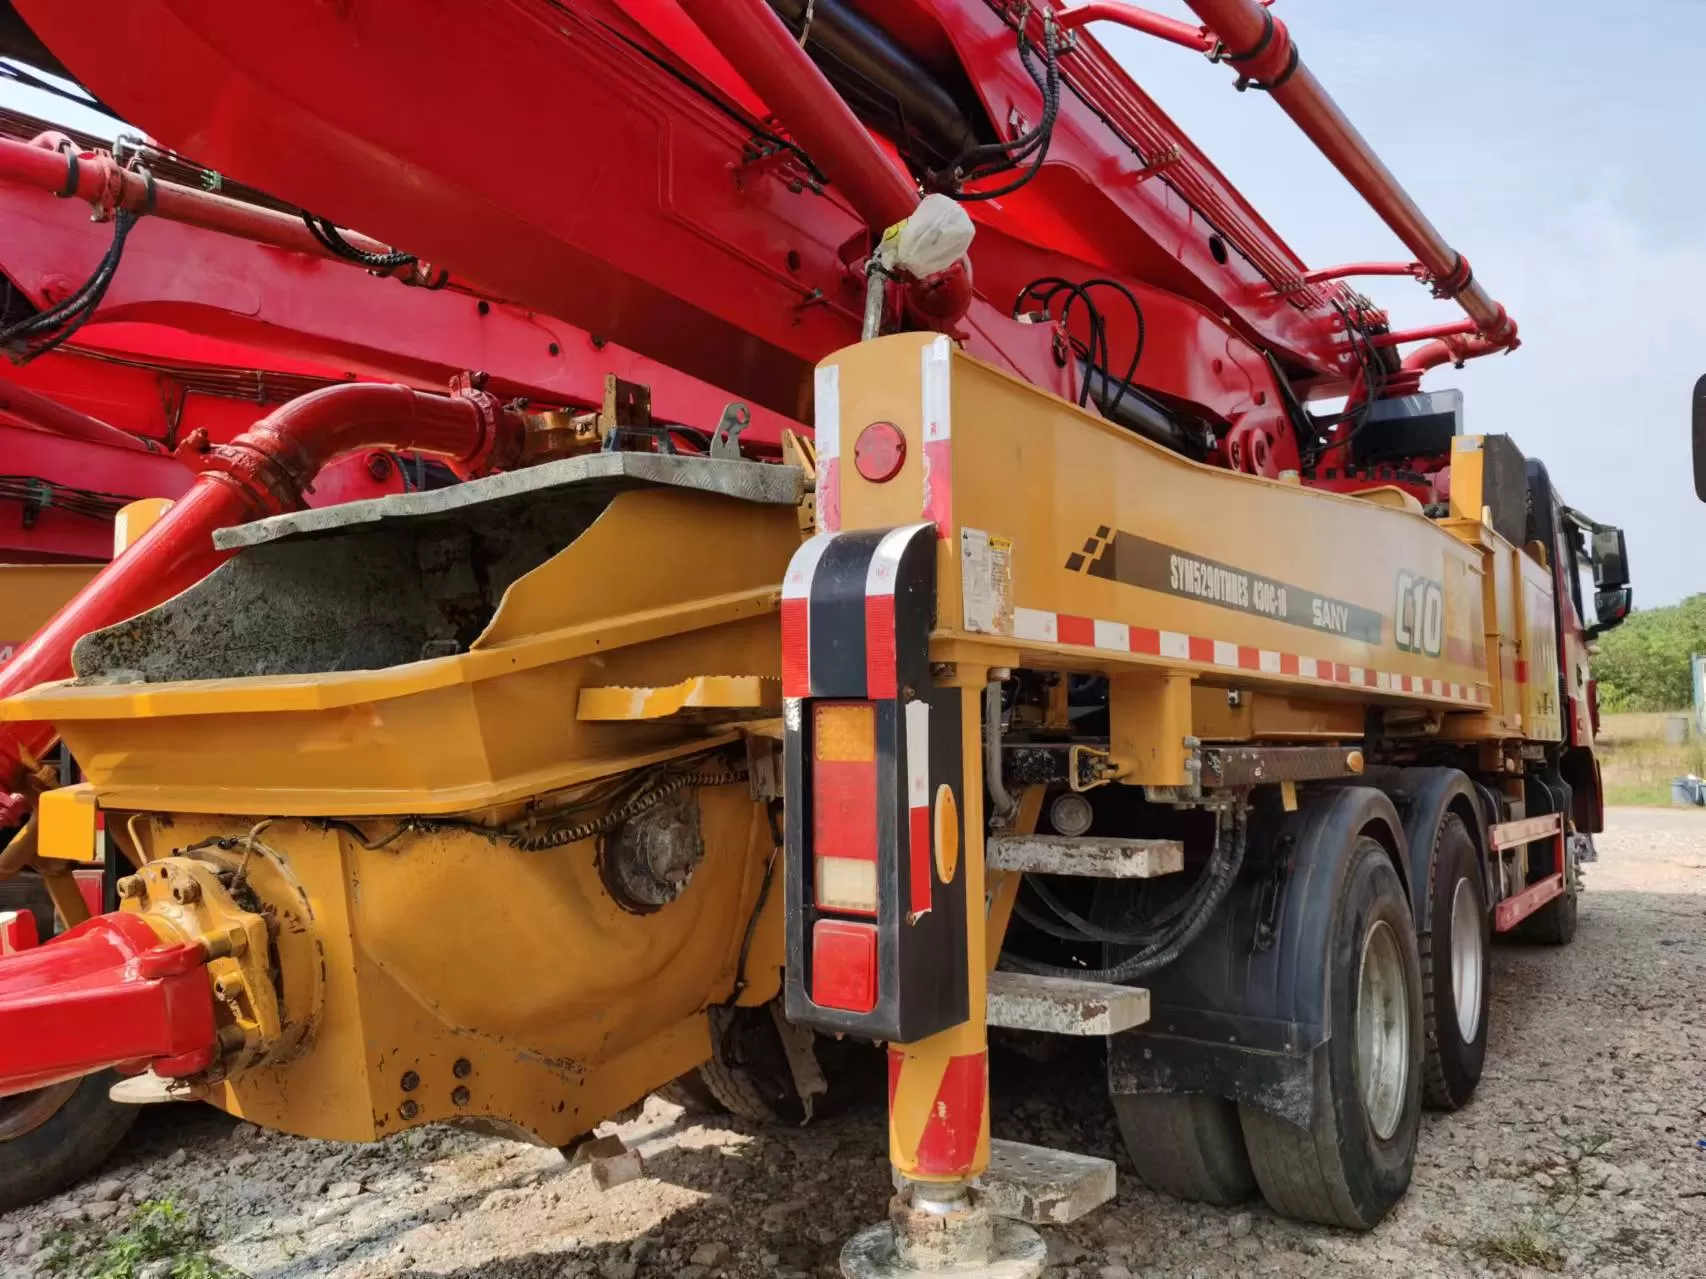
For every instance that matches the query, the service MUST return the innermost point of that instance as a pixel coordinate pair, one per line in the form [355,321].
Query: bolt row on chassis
[494,801]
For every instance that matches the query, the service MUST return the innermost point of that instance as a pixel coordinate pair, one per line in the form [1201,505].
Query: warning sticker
[986,581]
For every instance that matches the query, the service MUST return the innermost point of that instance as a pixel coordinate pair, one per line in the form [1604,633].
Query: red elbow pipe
[37,410]
[1261,48]
[261,472]
[767,56]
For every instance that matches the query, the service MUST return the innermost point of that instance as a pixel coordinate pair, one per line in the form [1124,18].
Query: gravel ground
[1578,1156]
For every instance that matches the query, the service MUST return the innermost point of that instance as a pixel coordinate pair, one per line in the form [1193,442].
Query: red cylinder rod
[1261,48]
[95,176]
[769,58]
[1349,269]
[1129,15]
[34,409]
[261,472]
[1459,328]
[110,992]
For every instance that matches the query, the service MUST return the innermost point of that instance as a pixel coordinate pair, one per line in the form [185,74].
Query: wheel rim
[1468,959]
[25,1112]
[1383,1030]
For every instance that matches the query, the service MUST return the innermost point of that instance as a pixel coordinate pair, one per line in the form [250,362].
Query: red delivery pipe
[1129,15]
[1261,49]
[35,409]
[768,57]
[110,992]
[261,472]
[95,176]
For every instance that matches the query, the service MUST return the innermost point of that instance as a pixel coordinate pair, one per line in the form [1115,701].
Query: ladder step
[1044,1187]
[1091,857]
[1064,1005]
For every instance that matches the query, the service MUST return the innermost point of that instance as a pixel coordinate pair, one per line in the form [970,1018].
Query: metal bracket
[725,440]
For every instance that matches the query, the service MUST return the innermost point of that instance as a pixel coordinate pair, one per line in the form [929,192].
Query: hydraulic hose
[1203,900]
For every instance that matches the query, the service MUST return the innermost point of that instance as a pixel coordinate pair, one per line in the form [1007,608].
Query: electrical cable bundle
[40,333]
[1095,350]
[323,230]
[39,494]
[994,158]
[1373,383]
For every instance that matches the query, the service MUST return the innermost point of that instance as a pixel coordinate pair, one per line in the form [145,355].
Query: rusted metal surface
[1263,765]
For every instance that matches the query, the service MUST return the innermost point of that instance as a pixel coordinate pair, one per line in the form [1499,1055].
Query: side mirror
[1700,439]
[1610,607]
[1610,559]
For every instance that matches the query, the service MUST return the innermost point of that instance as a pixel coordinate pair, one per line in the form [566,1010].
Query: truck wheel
[748,1073]
[1554,924]
[691,1093]
[1455,971]
[1354,1160]
[52,1137]
[1186,1145]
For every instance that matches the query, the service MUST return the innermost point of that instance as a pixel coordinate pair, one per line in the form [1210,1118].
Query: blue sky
[1559,145]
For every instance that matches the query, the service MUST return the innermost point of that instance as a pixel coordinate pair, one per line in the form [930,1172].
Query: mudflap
[1243,1014]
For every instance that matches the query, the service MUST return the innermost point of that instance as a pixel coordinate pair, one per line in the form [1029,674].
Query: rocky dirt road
[1577,1157]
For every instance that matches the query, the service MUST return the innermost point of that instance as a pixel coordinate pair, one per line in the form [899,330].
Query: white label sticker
[986,581]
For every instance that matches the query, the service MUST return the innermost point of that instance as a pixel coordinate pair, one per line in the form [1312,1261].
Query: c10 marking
[1418,624]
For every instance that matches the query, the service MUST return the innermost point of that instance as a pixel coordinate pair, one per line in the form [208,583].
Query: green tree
[1643,664]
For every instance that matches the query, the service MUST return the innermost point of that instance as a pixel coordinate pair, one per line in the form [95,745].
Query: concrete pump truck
[1064,670]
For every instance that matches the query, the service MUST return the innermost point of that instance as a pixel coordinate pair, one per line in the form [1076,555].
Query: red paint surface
[949,1144]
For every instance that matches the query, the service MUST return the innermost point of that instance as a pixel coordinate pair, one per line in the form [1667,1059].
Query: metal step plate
[1090,856]
[1064,1005]
[1044,1187]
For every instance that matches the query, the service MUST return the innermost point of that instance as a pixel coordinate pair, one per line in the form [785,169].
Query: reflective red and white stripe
[918,805]
[796,614]
[1043,627]
[826,429]
[938,506]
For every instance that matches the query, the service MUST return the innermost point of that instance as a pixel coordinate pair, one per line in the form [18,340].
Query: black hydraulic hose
[1216,881]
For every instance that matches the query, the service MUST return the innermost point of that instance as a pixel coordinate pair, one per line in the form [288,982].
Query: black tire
[77,1138]
[72,1143]
[749,1095]
[692,1094]
[748,1072]
[1554,924]
[1339,1171]
[1186,1145]
[1454,1060]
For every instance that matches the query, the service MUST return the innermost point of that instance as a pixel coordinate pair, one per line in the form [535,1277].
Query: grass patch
[158,1231]
[1639,795]
[1531,1245]
[1637,764]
